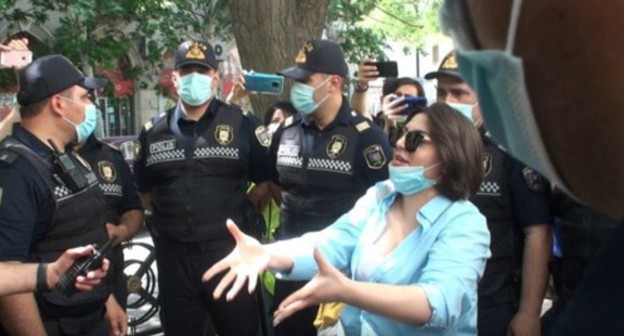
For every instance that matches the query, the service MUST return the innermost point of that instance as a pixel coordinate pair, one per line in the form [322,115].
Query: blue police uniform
[40,217]
[512,197]
[117,184]
[322,174]
[197,174]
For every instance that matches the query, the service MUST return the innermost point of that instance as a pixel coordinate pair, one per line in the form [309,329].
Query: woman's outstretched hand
[327,286]
[248,259]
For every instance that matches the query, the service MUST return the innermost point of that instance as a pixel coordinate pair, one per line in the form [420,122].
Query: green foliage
[363,26]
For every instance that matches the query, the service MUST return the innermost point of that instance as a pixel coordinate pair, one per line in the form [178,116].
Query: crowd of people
[440,218]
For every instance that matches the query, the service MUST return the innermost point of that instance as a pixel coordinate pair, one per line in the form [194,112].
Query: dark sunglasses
[413,139]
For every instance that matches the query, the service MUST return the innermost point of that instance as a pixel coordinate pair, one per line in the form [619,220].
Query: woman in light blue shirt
[407,258]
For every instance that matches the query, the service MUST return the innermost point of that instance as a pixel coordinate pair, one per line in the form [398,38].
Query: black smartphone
[264,83]
[386,69]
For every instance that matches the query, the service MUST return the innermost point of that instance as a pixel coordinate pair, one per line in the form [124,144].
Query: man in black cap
[55,201]
[325,157]
[514,199]
[192,172]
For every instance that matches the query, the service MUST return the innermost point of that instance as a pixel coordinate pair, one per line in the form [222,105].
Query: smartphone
[264,83]
[386,69]
[15,58]
[412,102]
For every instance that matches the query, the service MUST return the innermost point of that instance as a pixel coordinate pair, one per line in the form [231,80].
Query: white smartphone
[15,58]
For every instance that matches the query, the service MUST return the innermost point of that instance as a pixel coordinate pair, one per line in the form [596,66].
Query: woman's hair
[287,109]
[461,151]
[392,84]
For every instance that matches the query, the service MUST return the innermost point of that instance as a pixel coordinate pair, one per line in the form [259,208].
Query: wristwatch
[361,86]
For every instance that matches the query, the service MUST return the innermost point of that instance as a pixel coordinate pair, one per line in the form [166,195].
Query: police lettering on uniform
[124,214]
[55,201]
[514,200]
[194,164]
[325,157]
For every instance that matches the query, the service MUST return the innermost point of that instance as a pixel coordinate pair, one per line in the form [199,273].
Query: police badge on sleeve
[533,179]
[263,136]
[375,157]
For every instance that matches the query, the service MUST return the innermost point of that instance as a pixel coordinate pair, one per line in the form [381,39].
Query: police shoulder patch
[363,126]
[263,136]
[533,179]
[148,125]
[8,157]
[288,121]
[375,157]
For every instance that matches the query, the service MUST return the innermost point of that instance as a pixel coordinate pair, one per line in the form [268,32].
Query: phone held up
[386,69]
[411,103]
[264,83]
[15,58]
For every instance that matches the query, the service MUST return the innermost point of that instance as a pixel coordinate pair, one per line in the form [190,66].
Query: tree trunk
[266,35]
[311,16]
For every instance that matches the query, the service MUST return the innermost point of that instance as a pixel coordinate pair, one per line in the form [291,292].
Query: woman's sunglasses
[413,139]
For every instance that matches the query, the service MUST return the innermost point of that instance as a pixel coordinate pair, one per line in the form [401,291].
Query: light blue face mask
[302,97]
[195,89]
[85,128]
[410,180]
[498,78]
[463,109]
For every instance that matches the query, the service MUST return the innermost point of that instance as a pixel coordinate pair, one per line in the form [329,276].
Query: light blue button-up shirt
[445,256]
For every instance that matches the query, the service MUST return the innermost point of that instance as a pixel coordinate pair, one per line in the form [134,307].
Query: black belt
[195,248]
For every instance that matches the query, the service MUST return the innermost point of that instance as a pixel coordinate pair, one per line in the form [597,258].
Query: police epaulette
[150,123]
[8,157]
[290,121]
[111,146]
[360,123]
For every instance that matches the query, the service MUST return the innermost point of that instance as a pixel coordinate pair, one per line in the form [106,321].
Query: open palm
[248,259]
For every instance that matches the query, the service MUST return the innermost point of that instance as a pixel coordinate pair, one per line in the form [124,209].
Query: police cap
[195,53]
[49,75]
[448,67]
[320,56]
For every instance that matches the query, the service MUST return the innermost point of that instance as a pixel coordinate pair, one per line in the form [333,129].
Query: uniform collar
[30,140]
[179,115]
[342,118]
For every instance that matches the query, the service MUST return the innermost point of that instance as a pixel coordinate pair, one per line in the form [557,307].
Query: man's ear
[57,105]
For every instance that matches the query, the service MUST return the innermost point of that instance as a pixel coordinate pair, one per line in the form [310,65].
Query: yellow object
[328,314]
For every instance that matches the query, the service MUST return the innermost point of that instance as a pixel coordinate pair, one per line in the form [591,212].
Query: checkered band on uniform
[292,161]
[111,189]
[490,188]
[216,152]
[338,166]
[172,155]
[61,191]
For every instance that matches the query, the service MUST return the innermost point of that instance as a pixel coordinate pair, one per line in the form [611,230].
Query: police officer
[325,157]
[55,201]
[192,170]
[514,199]
[124,215]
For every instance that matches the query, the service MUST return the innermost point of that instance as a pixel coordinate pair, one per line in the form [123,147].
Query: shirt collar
[343,117]
[30,140]
[428,213]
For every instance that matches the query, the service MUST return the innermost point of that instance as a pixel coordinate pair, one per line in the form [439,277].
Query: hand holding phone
[386,69]
[15,58]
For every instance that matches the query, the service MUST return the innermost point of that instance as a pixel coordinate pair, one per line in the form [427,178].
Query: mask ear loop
[513,26]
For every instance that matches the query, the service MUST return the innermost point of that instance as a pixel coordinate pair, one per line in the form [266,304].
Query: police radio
[66,284]
[67,170]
